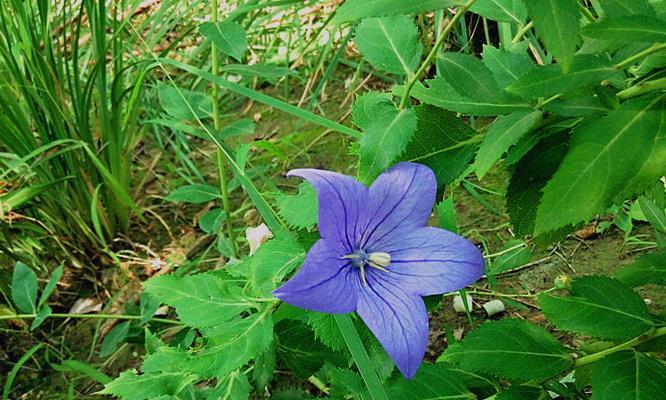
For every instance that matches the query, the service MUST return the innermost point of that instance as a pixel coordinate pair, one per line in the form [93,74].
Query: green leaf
[556,22]
[274,260]
[548,80]
[300,210]
[196,194]
[231,346]
[212,220]
[598,306]
[529,177]
[43,313]
[201,300]
[50,286]
[390,44]
[431,382]
[623,7]
[501,10]
[504,132]
[239,127]
[114,338]
[440,94]
[229,37]
[346,384]
[269,73]
[604,154]
[512,349]
[654,214]
[446,214]
[384,140]
[148,305]
[180,103]
[234,386]
[648,268]
[24,288]
[628,375]
[132,386]
[326,330]
[442,141]
[577,104]
[637,28]
[513,259]
[468,75]
[352,10]
[506,66]
[368,105]
[523,393]
[264,368]
[82,368]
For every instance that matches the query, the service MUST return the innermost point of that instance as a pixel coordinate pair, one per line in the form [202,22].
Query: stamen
[377,260]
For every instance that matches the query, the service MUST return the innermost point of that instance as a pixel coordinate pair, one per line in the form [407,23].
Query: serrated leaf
[501,10]
[368,105]
[390,44]
[431,382]
[512,349]
[24,288]
[513,259]
[556,22]
[326,330]
[229,37]
[548,80]
[648,268]
[184,104]
[440,94]
[628,375]
[131,386]
[506,66]
[264,367]
[598,306]
[195,194]
[604,154]
[623,7]
[273,261]
[577,104]
[384,140]
[468,75]
[352,10]
[504,132]
[442,141]
[637,28]
[232,345]
[201,300]
[114,338]
[299,210]
[655,215]
[234,386]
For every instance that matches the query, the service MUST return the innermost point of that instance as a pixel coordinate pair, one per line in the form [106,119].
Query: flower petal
[397,318]
[325,283]
[431,261]
[341,199]
[403,196]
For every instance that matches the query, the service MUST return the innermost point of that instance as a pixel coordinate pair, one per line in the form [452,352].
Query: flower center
[377,260]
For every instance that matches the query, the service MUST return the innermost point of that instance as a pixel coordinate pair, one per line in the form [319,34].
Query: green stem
[221,164]
[640,54]
[522,32]
[91,316]
[361,357]
[589,359]
[433,52]
[642,88]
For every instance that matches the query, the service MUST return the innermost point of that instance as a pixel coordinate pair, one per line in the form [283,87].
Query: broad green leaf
[326,330]
[512,349]
[390,44]
[440,94]
[654,214]
[24,288]
[513,259]
[114,338]
[264,368]
[504,132]
[346,384]
[148,305]
[132,386]
[523,393]
[231,346]
[368,105]
[299,210]
[468,75]
[648,268]
[352,10]
[638,28]
[269,73]
[239,127]
[431,382]
[501,10]
[442,141]
[273,261]
[577,104]
[556,23]
[614,8]
[598,306]
[212,220]
[43,313]
[628,375]
[548,80]
[604,154]
[384,139]
[446,214]
[201,300]
[179,103]
[234,386]
[229,37]
[50,286]
[506,66]
[194,194]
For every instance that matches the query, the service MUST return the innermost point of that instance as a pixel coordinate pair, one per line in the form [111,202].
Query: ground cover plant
[347,199]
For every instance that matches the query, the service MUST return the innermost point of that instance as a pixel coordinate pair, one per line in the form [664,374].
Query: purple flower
[377,257]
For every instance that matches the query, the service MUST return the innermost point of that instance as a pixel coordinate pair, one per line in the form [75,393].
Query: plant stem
[640,54]
[522,32]
[622,346]
[642,88]
[91,316]
[221,164]
[433,52]
[361,357]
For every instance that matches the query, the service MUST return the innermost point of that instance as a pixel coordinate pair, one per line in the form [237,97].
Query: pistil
[376,260]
